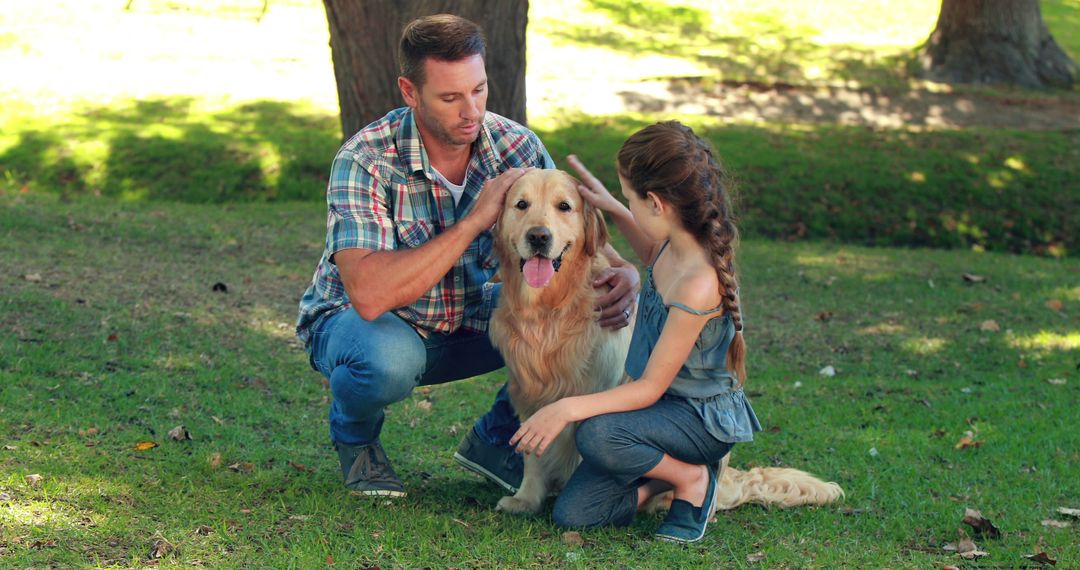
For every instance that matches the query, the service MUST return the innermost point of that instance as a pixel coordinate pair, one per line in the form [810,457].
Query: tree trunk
[364,37]
[995,41]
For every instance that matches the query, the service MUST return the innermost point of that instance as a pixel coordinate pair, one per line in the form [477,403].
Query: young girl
[684,408]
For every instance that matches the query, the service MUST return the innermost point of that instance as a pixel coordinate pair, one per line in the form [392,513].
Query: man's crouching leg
[370,365]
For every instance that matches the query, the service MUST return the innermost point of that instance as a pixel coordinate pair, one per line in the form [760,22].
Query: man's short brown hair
[443,37]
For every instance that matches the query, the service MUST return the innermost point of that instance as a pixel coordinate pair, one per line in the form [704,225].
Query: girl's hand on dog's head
[591,188]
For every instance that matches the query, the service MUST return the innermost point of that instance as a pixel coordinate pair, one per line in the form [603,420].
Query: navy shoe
[500,465]
[367,471]
[686,523]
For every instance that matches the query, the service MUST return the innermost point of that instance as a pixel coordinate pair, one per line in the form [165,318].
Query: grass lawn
[111,334]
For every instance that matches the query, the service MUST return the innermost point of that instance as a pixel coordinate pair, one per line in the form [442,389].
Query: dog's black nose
[538,237]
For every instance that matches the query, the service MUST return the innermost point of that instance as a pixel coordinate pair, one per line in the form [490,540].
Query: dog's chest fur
[552,343]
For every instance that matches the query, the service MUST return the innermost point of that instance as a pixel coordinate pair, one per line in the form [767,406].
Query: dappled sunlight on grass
[178,148]
[767,42]
[1045,341]
[267,321]
[924,346]
[884,329]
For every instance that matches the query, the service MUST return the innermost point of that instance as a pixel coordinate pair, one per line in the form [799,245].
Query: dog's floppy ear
[596,232]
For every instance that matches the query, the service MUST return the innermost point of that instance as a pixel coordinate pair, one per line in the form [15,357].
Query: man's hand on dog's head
[616,306]
[489,204]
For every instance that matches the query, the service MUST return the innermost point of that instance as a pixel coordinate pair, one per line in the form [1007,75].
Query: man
[401,296]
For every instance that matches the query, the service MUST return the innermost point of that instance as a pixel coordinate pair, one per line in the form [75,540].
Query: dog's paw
[517,506]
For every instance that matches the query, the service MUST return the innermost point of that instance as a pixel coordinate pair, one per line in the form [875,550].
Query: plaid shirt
[384,195]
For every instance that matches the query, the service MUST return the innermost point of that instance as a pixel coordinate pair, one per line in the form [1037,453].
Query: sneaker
[686,523]
[367,471]
[501,465]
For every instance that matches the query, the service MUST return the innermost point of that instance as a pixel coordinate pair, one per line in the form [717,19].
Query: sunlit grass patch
[175,148]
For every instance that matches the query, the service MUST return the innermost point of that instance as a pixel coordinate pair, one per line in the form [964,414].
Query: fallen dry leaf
[972,278]
[968,441]
[1053,523]
[981,524]
[1069,512]
[34,480]
[990,326]
[10,448]
[88,432]
[144,445]
[1056,381]
[160,548]
[755,557]
[214,460]
[572,538]
[179,433]
[1055,305]
[424,405]
[242,467]
[824,316]
[828,371]
[33,277]
[1041,558]
[300,467]
[203,530]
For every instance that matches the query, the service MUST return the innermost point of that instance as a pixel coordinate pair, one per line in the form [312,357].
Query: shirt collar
[412,153]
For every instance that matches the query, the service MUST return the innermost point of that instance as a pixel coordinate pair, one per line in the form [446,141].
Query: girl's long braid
[669,160]
[719,234]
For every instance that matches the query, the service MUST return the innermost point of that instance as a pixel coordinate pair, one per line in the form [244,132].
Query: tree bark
[364,37]
[994,42]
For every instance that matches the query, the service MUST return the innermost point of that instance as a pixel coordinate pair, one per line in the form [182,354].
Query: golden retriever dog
[549,242]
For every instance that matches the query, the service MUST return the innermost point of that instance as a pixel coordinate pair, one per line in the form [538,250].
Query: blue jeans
[372,364]
[618,449]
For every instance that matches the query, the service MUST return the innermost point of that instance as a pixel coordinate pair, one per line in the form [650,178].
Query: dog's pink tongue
[538,271]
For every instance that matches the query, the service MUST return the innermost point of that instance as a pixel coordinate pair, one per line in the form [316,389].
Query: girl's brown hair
[679,167]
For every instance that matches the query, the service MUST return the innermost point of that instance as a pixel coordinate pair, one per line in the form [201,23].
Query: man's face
[450,104]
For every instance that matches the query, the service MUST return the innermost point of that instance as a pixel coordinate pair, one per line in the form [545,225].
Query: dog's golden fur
[550,337]
[554,347]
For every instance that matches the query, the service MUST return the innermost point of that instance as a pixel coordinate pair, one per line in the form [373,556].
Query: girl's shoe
[686,523]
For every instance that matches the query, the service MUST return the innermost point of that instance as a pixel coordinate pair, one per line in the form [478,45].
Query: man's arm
[378,281]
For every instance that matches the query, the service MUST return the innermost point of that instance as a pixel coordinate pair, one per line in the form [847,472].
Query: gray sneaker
[501,465]
[367,470]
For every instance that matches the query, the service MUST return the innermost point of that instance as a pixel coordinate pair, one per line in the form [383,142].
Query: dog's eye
[521,205]
[565,206]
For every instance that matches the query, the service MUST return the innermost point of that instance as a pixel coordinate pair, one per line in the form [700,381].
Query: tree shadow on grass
[766,50]
[170,149]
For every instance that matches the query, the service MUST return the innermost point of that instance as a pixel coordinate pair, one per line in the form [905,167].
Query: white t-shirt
[456,190]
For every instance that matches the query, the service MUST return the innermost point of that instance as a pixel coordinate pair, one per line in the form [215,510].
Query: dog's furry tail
[778,486]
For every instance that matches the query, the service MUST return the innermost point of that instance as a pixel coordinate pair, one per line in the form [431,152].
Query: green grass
[980,188]
[123,334]
[990,189]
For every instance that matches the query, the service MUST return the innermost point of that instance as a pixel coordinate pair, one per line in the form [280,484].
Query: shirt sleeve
[358,212]
[545,158]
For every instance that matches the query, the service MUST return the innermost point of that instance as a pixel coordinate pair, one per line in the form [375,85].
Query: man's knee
[372,383]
